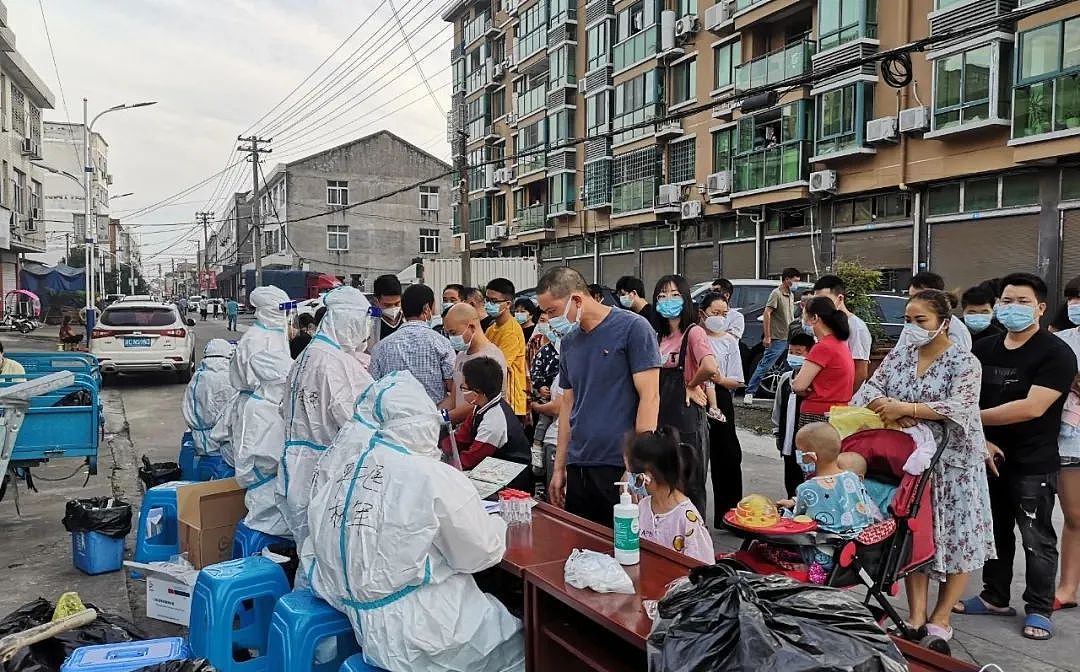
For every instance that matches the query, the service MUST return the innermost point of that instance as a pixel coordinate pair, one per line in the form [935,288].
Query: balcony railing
[747,4]
[533,218]
[1047,106]
[476,28]
[771,167]
[530,101]
[478,78]
[791,61]
[531,162]
[636,48]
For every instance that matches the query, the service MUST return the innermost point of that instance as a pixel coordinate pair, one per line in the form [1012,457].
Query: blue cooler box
[95,553]
[126,656]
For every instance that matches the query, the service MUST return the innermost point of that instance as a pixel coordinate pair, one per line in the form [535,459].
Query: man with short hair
[631,294]
[232,309]
[977,305]
[507,335]
[467,339]
[779,313]
[451,294]
[609,371]
[415,348]
[958,332]
[387,290]
[859,342]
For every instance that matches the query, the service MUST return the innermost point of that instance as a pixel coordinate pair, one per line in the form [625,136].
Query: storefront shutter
[966,253]
[655,264]
[698,264]
[787,253]
[583,265]
[878,249]
[615,266]
[737,260]
[1070,245]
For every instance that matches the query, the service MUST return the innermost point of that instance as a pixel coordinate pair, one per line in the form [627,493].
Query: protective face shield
[348,318]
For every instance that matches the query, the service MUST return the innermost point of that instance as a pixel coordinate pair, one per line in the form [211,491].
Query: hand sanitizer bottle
[626,528]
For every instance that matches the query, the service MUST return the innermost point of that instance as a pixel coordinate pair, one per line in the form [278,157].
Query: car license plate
[136,342]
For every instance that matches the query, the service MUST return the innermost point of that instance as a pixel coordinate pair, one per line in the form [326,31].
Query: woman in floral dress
[929,378]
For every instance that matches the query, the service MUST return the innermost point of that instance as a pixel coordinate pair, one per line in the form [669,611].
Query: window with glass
[498,208]
[1070,183]
[842,21]
[723,146]
[476,118]
[598,46]
[726,57]
[979,194]
[429,198]
[561,11]
[497,103]
[597,191]
[865,210]
[562,192]
[684,81]
[634,181]
[531,94]
[596,113]
[531,146]
[561,63]
[686,7]
[638,34]
[477,171]
[842,115]
[337,237]
[1047,96]
[962,87]
[429,241]
[337,192]
[531,31]
[682,155]
[560,127]
[771,147]
[636,101]
[479,218]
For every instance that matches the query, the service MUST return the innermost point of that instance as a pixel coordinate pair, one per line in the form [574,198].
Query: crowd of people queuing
[584,395]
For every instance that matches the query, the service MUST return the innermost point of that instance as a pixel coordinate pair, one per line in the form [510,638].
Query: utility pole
[461,141]
[204,270]
[253,148]
[67,248]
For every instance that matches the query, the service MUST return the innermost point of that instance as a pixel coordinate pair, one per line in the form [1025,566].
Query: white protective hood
[262,435]
[267,333]
[395,535]
[322,387]
[208,394]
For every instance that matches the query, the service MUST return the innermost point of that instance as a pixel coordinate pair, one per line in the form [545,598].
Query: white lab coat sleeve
[469,537]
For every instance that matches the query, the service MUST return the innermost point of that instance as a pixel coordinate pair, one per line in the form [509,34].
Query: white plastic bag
[602,573]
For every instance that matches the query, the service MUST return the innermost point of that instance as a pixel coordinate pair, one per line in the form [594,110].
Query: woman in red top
[828,375]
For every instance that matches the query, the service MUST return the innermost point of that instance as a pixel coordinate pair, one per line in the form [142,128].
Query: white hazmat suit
[322,387]
[262,433]
[396,535]
[208,394]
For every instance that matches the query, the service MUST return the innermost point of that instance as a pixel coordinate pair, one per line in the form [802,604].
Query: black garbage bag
[49,655]
[196,665]
[156,473]
[293,564]
[731,621]
[107,515]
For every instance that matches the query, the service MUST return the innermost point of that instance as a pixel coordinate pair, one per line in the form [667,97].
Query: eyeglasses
[496,300]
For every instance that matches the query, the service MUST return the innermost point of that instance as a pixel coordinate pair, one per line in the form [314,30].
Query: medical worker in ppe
[208,394]
[262,433]
[322,387]
[396,535]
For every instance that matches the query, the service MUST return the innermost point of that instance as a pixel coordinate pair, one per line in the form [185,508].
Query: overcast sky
[217,66]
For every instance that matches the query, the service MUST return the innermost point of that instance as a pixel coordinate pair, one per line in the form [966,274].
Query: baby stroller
[881,554]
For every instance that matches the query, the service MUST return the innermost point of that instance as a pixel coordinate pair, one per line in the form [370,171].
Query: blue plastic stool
[300,626]
[252,584]
[187,457]
[247,541]
[126,656]
[166,542]
[355,663]
[212,468]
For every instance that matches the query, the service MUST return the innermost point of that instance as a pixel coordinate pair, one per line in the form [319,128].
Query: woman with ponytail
[659,467]
[828,374]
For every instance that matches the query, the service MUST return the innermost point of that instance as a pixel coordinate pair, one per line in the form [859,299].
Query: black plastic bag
[76,398]
[196,665]
[156,473]
[735,621]
[49,655]
[106,515]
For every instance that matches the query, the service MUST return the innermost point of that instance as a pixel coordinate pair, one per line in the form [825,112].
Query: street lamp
[91,233]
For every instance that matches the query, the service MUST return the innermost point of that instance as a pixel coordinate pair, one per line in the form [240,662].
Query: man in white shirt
[958,331]
[860,341]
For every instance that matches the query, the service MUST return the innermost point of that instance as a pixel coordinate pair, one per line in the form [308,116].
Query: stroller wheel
[936,644]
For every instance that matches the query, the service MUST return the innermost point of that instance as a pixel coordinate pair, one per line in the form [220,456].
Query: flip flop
[1059,605]
[942,633]
[1038,622]
[974,606]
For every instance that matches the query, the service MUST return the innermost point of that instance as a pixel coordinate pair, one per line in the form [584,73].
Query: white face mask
[917,336]
[392,312]
[715,323]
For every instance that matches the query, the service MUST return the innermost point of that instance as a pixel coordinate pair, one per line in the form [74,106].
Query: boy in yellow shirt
[506,334]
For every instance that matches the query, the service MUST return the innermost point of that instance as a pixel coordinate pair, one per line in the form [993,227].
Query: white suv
[144,337]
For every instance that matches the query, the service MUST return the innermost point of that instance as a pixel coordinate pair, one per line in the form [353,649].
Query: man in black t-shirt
[1027,373]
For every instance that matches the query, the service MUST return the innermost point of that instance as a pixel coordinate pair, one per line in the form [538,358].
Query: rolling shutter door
[614,266]
[881,249]
[548,265]
[655,264]
[966,253]
[8,273]
[787,253]
[1070,245]
[583,265]
[737,260]
[698,264]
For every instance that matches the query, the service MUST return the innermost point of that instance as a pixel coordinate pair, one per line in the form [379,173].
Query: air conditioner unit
[511,119]
[670,194]
[719,15]
[27,146]
[823,182]
[489,177]
[498,71]
[882,130]
[719,184]
[508,63]
[691,209]
[724,110]
[581,84]
[914,120]
[668,129]
[494,232]
[686,26]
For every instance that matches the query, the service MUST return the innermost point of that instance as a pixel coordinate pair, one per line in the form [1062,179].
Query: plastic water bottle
[627,530]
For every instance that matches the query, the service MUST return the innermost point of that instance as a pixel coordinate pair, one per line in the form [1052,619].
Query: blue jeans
[232,322]
[777,349]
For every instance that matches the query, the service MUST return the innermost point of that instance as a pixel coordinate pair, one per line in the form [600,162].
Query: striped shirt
[416,348]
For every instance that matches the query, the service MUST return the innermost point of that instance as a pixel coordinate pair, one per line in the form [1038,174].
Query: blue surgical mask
[561,325]
[446,306]
[626,300]
[1015,316]
[492,309]
[809,468]
[1074,313]
[670,307]
[795,361]
[546,331]
[636,485]
[457,342]
[977,322]
[808,329]
[521,318]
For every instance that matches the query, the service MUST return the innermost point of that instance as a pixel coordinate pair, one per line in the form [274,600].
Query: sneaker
[748,400]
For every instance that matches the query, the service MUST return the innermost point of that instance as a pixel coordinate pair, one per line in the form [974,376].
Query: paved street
[143,417]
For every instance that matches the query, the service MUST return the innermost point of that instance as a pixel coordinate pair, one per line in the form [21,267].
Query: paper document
[492,475]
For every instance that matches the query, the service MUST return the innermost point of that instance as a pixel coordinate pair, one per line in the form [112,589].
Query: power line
[416,62]
[168,201]
[59,83]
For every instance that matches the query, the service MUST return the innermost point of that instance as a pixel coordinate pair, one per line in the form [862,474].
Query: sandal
[1059,605]
[942,633]
[975,606]
[1038,622]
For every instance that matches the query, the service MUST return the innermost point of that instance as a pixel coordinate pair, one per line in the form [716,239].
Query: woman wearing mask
[828,375]
[931,378]
[687,362]
[525,312]
[725,452]
[1069,454]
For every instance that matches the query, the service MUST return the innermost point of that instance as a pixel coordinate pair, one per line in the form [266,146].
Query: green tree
[860,283]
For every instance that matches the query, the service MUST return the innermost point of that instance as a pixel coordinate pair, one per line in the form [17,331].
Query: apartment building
[743,136]
[230,246]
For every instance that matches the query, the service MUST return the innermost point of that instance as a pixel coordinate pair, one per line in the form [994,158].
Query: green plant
[860,283]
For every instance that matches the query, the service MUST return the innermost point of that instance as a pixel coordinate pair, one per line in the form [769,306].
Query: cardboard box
[168,590]
[208,514]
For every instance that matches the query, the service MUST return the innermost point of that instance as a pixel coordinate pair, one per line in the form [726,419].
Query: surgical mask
[1015,316]
[447,306]
[521,318]
[492,309]
[561,325]
[626,300]
[1074,313]
[795,361]
[808,329]
[670,307]
[636,484]
[917,336]
[715,323]
[809,467]
[457,342]
[392,312]
[977,322]
[546,331]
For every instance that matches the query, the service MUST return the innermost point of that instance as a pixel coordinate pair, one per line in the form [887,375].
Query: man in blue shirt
[415,347]
[609,372]
[232,309]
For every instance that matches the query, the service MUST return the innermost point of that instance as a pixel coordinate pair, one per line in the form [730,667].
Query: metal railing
[771,166]
[791,61]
